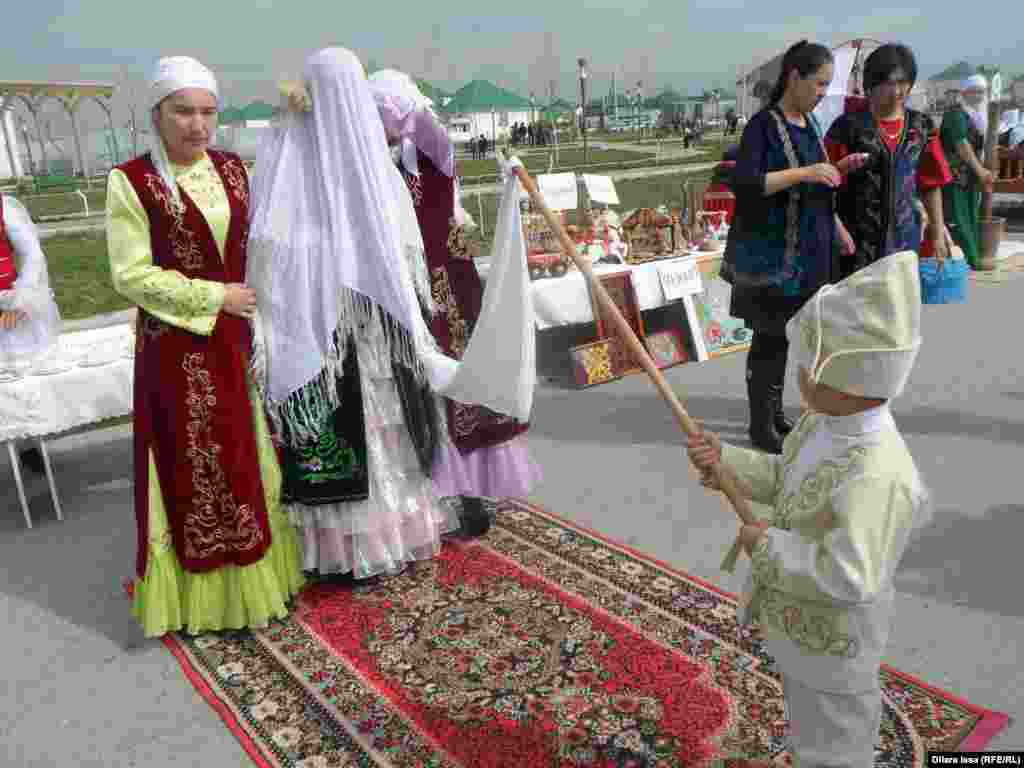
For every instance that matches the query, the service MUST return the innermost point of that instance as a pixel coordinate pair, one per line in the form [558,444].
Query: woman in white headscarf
[963,139]
[215,550]
[337,262]
[481,454]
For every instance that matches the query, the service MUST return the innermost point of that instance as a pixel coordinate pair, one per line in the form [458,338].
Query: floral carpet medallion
[541,644]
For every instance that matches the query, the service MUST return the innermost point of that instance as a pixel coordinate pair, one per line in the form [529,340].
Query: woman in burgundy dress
[481,454]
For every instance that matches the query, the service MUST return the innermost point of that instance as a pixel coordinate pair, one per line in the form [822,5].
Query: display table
[565,300]
[87,380]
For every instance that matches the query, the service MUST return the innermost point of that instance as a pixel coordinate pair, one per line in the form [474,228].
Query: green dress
[961,199]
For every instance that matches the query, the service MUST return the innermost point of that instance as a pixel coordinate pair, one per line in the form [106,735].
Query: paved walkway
[82,687]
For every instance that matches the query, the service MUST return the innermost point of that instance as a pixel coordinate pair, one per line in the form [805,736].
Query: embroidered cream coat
[845,497]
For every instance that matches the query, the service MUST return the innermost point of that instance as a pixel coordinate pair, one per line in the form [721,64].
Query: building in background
[481,107]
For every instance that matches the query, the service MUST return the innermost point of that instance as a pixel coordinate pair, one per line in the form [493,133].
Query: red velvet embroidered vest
[8,267]
[458,292]
[192,406]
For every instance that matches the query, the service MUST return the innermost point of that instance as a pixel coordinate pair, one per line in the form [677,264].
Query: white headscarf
[408,113]
[335,247]
[979,113]
[172,74]
[398,98]
[333,233]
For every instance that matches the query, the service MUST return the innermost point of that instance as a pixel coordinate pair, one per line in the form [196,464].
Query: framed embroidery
[619,286]
[667,348]
[601,361]
[720,332]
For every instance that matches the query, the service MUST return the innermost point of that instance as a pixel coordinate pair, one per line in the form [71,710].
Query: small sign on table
[601,189]
[559,190]
[679,278]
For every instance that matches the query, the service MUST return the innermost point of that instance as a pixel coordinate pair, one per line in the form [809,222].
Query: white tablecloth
[96,386]
[566,301]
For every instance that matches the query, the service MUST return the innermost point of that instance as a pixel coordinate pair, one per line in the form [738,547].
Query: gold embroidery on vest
[216,522]
[458,242]
[458,330]
[238,185]
[183,239]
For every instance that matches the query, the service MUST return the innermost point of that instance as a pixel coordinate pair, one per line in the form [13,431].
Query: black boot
[782,425]
[474,518]
[765,400]
[775,374]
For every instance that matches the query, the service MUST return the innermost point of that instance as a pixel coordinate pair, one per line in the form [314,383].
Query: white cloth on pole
[498,368]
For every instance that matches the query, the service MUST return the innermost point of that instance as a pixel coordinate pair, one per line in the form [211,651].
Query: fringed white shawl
[335,245]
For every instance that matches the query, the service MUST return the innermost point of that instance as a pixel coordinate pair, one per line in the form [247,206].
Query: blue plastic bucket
[945,283]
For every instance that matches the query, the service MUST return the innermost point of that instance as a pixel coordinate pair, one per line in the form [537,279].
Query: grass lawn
[538,162]
[80,276]
[80,271]
[59,204]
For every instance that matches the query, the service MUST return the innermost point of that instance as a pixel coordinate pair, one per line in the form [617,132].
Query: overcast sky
[688,44]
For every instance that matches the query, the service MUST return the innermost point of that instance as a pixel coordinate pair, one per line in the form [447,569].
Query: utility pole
[583,105]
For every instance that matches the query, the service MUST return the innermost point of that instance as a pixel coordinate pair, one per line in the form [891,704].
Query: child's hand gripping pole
[724,477]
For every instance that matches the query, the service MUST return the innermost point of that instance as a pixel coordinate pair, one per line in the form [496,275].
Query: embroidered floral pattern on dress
[183,239]
[184,298]
[458,243]
[444,298]
[812,628]
[216,523]
[238,185]
[203,185]
[415,187]
[816,486]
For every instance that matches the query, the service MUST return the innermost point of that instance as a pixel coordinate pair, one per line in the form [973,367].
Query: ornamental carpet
[541,644]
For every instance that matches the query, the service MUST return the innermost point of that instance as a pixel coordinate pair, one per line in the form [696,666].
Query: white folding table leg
[16,468]
[49,478]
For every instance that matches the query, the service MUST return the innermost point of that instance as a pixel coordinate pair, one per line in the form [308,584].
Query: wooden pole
[725,478]
[991,156]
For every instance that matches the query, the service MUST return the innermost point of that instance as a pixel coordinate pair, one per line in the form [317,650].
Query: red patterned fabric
[192,404]
[8,266]
[506,669]
[458,292]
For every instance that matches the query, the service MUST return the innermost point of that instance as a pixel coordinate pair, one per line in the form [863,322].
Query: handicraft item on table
[649,234]
[720,332]
[601,361]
